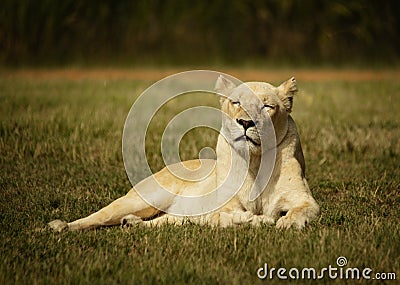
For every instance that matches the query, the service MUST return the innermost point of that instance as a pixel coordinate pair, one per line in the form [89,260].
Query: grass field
[60,157]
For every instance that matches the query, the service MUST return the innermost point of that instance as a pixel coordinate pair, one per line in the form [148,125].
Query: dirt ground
[244,74]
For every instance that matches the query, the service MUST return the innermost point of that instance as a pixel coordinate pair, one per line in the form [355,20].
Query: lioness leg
[128,205]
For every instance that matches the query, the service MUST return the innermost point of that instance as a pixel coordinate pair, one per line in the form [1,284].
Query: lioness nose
[245,123]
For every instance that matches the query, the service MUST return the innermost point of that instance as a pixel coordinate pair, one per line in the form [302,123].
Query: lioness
[285,197]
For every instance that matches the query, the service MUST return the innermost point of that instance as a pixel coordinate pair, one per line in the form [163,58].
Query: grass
[60,157]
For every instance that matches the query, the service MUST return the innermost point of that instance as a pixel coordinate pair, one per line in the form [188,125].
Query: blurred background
[174,32]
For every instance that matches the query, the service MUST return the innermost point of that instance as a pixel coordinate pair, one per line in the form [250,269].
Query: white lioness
[285,197]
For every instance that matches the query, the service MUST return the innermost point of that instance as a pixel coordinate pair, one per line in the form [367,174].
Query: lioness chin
[280,196]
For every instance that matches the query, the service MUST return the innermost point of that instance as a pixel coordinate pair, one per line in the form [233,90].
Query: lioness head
[258,113]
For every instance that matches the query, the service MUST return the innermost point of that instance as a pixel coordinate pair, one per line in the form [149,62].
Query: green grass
[60,157]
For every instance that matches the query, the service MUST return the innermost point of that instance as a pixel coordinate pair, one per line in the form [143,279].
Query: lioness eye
[269,106]
[236,103]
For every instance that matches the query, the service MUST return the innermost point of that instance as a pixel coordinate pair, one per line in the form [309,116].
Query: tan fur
[286,199]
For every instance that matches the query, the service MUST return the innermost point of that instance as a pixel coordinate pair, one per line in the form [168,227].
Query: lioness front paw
[242,217]
[261,219]
[234,218]
[130,220]
[289,221]
[225,219]
[58,225]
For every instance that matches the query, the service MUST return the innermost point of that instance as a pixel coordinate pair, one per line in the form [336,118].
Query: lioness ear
[286,91]
[223,86]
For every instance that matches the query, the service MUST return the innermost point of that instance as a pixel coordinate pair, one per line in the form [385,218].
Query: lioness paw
[225,219]
[58,225]
[261,219]
[130,220]
[242,217]
[289,221]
